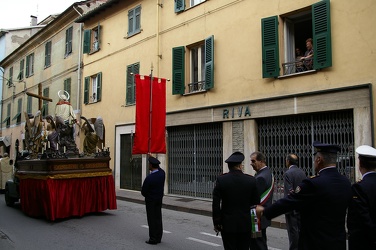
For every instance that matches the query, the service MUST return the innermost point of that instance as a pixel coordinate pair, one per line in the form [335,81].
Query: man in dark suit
[361,219]
[322,201]
[291,179]
[153,190]
[233,195]
[265,186]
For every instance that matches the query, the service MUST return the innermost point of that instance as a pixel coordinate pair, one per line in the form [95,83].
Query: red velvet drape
[62,198]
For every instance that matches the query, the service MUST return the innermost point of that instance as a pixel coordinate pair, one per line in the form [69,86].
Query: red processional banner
[150,104]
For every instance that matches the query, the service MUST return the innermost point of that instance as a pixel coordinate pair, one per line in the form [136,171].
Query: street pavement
[185,204]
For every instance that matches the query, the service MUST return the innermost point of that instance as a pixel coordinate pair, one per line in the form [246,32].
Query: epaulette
[313,176]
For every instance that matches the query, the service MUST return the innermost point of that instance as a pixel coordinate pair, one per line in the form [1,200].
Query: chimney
[34,21]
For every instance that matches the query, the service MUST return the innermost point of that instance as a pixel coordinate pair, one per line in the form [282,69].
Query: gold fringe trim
[64,176]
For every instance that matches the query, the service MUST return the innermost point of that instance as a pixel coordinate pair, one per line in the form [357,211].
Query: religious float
[52,179]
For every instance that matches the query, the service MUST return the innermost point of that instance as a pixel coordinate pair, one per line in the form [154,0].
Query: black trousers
[154,217]
[260,242]
[293,229]
[236,241]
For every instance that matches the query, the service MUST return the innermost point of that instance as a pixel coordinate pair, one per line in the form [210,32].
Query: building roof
[96,11]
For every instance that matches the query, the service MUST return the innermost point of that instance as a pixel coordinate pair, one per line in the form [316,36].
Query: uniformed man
[233,195]
[153,191]
[361,219]
[322,201]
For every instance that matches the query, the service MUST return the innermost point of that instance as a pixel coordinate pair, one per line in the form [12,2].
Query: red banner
[150,136]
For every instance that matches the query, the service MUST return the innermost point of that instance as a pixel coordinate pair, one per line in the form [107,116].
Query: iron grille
[195,159]
[279,136]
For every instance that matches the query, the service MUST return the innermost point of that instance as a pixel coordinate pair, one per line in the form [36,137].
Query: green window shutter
[86,90]
[87,35]
[179,6]
[131,22]
[270,49]
[130,89]
[137,19]
[178,67]
[46,93]
[99,36]
[99,86]
[67,85]
[322,44]
[209,62]
[27,65]
[29,104]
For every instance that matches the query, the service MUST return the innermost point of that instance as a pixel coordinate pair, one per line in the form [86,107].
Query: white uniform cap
[366,151]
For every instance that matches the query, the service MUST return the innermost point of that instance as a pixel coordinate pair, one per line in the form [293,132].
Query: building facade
[47,63]
[235,83]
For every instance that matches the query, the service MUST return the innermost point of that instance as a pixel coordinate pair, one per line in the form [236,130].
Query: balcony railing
[296,66]
[196,86]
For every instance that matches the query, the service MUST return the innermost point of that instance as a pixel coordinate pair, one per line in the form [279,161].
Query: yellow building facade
[235,84]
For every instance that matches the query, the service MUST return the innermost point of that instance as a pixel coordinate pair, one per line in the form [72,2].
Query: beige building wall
[238,81]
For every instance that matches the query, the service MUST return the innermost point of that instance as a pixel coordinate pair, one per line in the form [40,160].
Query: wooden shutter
[131,22]
[46,93]
[322,44]
[270,49]
[209,62]
[137,19]
[87,36]
[178,67]
[86,90]
[99,86]
[27,66]
[179,6]
[99,36]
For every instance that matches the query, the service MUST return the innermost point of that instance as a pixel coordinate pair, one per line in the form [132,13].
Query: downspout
[1,104]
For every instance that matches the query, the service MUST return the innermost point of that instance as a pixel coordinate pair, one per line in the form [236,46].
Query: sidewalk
[182,204]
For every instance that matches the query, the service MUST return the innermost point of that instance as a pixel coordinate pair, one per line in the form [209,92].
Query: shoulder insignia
[297,189]
[313,176]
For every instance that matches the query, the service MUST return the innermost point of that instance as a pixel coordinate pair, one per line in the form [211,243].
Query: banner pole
[150,107]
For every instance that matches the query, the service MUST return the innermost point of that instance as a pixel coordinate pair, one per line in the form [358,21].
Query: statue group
[55,136]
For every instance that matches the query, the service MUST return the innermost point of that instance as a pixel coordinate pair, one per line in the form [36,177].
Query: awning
[5,141]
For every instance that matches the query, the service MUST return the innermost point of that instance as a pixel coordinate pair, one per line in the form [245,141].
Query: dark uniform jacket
[322,201]
[361,220]
[264,180]
[233,195]
[153,186]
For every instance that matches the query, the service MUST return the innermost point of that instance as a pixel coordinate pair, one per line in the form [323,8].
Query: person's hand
[259,211]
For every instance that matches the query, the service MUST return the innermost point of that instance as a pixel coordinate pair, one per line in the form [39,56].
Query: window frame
[134,21]
[47,54]
[68,41]
[130,95]
[29,65]
[321,36]
[179,69]
[88,91]
[20,76]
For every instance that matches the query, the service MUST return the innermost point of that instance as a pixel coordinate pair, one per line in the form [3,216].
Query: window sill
[133,34]
[94,51]
[195,92]
[298,74]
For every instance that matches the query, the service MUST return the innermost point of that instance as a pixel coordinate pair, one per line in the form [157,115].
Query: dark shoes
[152,242]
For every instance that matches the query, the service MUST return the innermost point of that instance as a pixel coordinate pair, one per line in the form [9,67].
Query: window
[10,78]
[29,107]
[7,119]
[91,40]
[132,70]
[68,41]
[30,65]
[17,117]
[46,93]
[93,88]
[201,67]
[180,4]
[21,74]
[298,27]
[67,85]
[47,54]
[134,21]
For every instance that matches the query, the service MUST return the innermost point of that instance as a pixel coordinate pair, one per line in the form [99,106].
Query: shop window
[132,70]
[312,22]
[92,40]
[200,70]
[93,87]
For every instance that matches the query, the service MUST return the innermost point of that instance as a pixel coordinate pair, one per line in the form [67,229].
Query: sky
[16,13]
